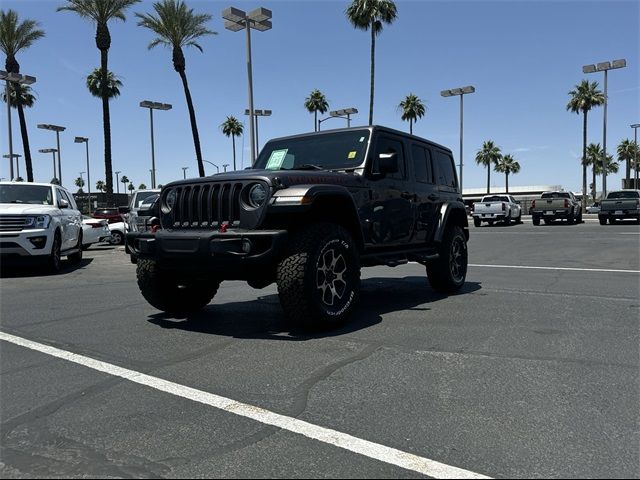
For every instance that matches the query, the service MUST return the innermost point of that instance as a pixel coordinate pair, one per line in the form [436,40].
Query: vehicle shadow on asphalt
[24,271]
[378,297]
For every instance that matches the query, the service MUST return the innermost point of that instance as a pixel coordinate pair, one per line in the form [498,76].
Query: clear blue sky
[522,57]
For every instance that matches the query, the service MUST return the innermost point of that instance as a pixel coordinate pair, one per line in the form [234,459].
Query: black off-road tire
[477,222]
[507,220]
[571,219]
[166,292]
[322,253]
[76,258]
[448,273]
[54,261]
[579,218]
[535,220]
[519,219]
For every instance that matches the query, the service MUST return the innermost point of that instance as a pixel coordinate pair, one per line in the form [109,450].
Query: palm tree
[131,188]
[100,186]
[177,27]
[232,127]
[626,152]
[584,97]
[488,155]
[314,103]
[594,159]
[79,182]
[16,36]
[94,84]
[21,96]
[507,165]
[412,109]
[371,15]
[124,180]
[101,12]
[142,187]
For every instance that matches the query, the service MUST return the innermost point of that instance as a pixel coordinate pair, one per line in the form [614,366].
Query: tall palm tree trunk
[628,174]
[411,126]
[373,69]
[194,125]
[584,164]
[488,177]
[507,181]
[315,121]
[594,192]
[103,42]
[233,139]
[25,143]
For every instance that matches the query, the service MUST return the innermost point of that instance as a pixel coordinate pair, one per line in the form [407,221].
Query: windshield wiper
[308,166]
[16,201]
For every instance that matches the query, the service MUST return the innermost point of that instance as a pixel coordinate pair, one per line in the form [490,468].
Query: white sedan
[118,231]
[94,230]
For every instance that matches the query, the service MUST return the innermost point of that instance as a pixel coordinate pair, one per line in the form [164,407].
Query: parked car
[112,215]
[313,210]
[118,231]
[39,221]
[496,208]
[94,230]
[142,200]
[594,208]
[620,205]
[557,205]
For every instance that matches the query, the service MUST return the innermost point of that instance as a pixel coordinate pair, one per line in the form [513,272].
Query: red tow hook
[224,227]
[155,228]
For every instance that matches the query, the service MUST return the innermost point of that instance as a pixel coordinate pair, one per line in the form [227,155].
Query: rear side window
[445,172]
[422,164]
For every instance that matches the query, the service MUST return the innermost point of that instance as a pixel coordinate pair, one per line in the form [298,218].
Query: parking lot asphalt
[532,370]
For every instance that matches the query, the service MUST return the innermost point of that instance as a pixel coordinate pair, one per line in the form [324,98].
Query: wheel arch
[451,213]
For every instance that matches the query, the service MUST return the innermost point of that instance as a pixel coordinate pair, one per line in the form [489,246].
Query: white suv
[39,221]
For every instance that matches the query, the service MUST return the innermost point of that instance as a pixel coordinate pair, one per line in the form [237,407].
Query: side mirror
[388,163]
[62,203]
[123,210]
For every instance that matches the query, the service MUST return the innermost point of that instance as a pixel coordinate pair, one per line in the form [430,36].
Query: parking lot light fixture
[211,163]
[258,113]
[184,172]
[461,92]
[51,150]
[118,181]
[153,106]
[236,20]
[57,129]
[225,165]
[342,113]
[604,67]
[17,157]
[85,140]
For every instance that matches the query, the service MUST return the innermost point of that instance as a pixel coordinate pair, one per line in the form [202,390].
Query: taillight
[566,203]
[96,225]
[504,207]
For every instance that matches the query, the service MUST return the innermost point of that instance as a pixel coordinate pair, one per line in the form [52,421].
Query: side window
[422,164]
[388,145]
[63,195]
[445,172]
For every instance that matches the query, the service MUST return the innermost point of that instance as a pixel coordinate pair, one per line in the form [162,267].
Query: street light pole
[635,154]
[57,129]
[604,67]
[153,106]
[225,165]
[258,113]
[85,140]
[53,151]
[343,113]
[460,91]
[217,168]
[184,172]
[11,157]
[117,182]
[236,20]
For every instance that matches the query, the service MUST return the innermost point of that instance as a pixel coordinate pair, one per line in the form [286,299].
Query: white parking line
[366,448]
[556,268]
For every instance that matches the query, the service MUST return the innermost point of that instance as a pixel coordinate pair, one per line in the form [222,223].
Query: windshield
[495,198]
[331,151]
[141,197]
[31,194]
[556,195]
[624,195]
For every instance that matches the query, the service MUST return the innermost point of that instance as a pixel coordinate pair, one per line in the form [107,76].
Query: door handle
[432,196]
[408,196]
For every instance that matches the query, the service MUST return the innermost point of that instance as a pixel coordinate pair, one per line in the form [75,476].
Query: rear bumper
[559,213]
[234,254]
[622,215]
[490,216]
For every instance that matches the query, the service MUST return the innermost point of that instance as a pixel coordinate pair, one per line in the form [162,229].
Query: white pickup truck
[496,208]
[39,221]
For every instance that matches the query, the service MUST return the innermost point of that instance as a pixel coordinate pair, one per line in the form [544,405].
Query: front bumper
[229,254]
[26,243]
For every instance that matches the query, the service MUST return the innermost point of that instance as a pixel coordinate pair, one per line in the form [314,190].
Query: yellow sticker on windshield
[352,155]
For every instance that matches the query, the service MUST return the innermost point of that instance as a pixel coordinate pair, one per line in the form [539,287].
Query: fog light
[246,245]
[38,242]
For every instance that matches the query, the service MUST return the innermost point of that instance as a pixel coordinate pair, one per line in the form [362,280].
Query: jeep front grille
[207,205]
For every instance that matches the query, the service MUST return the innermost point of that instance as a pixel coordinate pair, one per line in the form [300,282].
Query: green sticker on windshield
[276,159]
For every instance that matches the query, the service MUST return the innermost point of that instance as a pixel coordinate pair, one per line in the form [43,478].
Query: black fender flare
[451,212]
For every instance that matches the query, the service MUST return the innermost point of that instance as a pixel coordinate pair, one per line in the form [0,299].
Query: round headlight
[169,201]
[257,195]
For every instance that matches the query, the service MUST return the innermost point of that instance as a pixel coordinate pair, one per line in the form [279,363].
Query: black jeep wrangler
[314,210]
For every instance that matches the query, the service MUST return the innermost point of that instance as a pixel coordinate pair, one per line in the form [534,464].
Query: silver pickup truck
[553,206]
[620,205]
[496,208]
